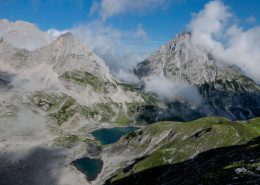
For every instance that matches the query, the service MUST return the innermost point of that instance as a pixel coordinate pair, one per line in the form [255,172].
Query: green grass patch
[83,78]
[190,139]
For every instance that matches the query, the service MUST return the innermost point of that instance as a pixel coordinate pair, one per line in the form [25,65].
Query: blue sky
[160,23]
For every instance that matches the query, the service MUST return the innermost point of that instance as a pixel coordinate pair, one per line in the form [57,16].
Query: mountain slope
[166,152]
[224,90]
[230,165]
[51,98]
[66,69]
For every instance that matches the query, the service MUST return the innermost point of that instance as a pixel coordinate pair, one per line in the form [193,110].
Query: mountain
[210,150]
[66,71]
[51,99]
[224,90]
[56,92]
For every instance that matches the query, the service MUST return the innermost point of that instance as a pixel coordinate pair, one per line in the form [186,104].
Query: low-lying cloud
[215,28]
[169,90]
[40,77]
[25,125]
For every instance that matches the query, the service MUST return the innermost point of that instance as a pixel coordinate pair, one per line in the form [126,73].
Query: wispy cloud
[215,24]
[251,20]
[172,90]
[109,8]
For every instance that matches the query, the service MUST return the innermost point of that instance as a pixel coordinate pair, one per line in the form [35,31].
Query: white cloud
[56,33]
[140,32]
[169,90]
[109,8]
[127,76]
[23,34]
[26,125]
[36,78]
[213,27]
[209,23]
[121,50]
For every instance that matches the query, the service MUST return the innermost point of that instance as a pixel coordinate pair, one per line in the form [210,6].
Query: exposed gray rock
[224,90]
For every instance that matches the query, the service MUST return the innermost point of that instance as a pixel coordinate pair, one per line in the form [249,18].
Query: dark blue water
[90,167]
[111,135]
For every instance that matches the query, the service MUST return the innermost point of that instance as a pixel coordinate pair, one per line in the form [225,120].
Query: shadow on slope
[36,168]
[5,79]
[241,105]
[174,111]
[238,164]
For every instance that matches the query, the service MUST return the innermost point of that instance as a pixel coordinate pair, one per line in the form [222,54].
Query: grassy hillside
[184,141]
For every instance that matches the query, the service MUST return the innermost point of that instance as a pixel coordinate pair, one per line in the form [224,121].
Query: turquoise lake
[90,167]
[110,135]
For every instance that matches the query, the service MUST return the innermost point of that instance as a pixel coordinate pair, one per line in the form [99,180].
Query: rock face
[224,90]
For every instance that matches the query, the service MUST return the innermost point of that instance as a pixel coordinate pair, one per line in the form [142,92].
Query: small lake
[90,167]
[111,135]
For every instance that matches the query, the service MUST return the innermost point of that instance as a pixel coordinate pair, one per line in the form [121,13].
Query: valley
[66,119]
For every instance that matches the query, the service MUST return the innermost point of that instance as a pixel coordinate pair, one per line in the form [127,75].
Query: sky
[125,32]
[161,21]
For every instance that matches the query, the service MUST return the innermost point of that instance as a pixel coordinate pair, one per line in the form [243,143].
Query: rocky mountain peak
[223,88]
[179,59]
[181,37]
[67,35]
[68,38]
[69,43]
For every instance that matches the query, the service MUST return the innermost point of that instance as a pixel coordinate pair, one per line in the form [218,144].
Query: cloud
[94,8]
[209,23]
[214,27]
[113,45]
[140,32]
[25,125]
[121,50]
[36,78]
[127,76]
[251,20]
[109,8]
[169,90]
[56,33]
[23,34]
